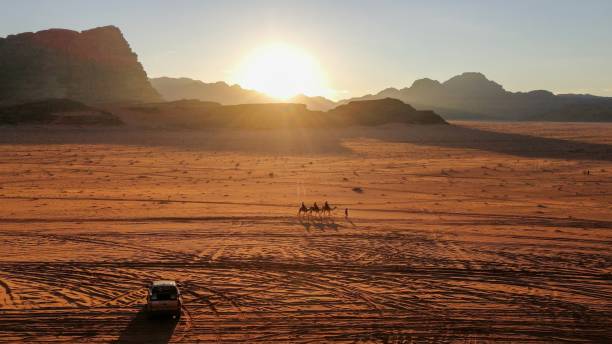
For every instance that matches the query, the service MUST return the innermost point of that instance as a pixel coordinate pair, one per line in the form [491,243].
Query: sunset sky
[351,48]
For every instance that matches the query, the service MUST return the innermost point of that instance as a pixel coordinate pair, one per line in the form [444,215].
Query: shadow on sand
[459,136]
[264,141]
[320,224]
[142,329]
[316,141]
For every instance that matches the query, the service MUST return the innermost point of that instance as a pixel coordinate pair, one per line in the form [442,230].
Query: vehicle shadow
[143,329]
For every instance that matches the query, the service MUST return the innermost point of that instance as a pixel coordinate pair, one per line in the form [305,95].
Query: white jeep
[164,297]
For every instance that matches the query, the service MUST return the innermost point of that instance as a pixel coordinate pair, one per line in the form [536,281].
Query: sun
[281,71]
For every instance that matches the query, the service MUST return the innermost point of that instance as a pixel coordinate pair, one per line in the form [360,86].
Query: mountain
[172,89]
[92,66]
[56,111]
[200,114]
[382,111]
[466,96]
[473,96]
[97,66]
[314,103]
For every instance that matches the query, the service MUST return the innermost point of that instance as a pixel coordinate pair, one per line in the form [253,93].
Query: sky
[361,46]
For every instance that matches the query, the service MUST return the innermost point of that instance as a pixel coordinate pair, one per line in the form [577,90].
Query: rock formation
[93,66]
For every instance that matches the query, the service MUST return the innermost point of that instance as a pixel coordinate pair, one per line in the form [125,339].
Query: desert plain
[468,233]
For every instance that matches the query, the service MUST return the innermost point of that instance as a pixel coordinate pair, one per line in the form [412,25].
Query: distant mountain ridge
[473,96]
[172,89]
[467,96]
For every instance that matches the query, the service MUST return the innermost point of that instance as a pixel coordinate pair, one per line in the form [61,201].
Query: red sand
[460,235]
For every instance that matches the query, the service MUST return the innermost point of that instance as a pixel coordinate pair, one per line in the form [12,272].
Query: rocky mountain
[98,66]
[172,89]
[93,66]
[473,96]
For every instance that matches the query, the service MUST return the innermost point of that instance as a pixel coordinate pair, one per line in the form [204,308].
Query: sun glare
[282,71]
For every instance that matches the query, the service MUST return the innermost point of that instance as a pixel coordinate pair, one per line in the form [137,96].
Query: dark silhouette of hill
[382,111]
[93,66]
[198,114]
[172,89]
[473,96]
[56,111]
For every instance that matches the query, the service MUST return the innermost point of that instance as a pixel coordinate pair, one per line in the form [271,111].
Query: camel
[303,210]
[314,209]
[327,209]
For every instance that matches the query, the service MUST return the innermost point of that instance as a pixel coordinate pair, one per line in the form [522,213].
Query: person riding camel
[314,210]
[303,209]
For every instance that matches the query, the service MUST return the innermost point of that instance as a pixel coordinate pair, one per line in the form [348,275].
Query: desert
[450,238]
[389,172]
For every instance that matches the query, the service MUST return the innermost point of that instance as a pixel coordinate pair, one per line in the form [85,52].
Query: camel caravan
[324,211]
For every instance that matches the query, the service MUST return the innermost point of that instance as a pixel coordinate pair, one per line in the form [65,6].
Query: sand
[476,232]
